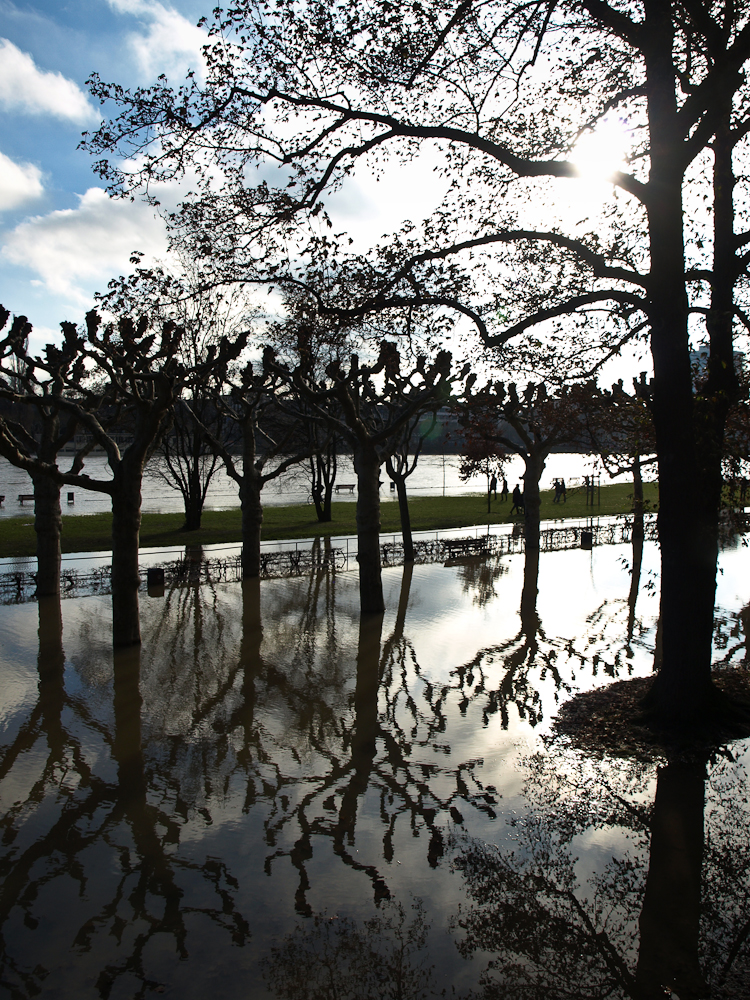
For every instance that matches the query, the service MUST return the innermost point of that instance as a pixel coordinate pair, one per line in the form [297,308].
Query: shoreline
[92,532]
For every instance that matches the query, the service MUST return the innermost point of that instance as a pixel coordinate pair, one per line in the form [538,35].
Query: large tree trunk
[48,527]
[688,506]
[531,497]
[51,667]
[126,526]
[367,467]
[252,522]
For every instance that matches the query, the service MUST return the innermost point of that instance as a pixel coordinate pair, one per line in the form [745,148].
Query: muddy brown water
[276,798]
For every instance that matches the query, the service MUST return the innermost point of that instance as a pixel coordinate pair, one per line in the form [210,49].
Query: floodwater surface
[277,798]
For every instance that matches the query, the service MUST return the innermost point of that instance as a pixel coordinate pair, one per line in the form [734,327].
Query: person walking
[556,484]
[563,491]
[518,505]
[504,490]
[493,485]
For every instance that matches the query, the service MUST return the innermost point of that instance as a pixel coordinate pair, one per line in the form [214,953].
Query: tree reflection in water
[515,671]
[337,958]
[665,916]
[270,757]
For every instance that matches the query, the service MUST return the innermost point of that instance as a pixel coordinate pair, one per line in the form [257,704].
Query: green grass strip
[92,532]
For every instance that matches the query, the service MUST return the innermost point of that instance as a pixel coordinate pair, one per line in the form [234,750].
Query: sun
[599,154]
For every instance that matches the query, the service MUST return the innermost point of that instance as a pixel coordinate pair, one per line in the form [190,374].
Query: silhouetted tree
[35,429]
[368,406]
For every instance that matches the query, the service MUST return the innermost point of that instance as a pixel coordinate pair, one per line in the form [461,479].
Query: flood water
[276,798]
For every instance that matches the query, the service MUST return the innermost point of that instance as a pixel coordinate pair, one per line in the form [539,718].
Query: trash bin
[155,581]
[587,539]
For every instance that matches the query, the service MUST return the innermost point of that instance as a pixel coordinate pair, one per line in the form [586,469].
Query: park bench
[345,486]
[465,546]
[25,496]
[2,499]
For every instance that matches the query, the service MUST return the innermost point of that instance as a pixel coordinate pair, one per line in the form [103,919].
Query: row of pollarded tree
[120,381]
[285,409]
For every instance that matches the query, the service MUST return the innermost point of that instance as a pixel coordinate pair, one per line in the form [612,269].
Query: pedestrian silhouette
[518,503]
[493,485]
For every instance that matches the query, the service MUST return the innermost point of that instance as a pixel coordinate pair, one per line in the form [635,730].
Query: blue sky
[61,238]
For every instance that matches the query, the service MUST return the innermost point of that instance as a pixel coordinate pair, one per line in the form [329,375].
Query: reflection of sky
[261,786]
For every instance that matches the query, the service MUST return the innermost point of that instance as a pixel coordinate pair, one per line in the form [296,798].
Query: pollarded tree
[368,406]
[120,391]
[36,429]
[207,315]
[272,438]
[532,426]
[501,96]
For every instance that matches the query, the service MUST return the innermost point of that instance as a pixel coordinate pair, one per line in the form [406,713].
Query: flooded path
[276,798]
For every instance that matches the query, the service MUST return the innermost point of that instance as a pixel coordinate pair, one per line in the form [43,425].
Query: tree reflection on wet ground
[277,797]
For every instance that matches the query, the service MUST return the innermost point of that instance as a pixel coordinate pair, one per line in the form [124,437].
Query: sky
[61,237]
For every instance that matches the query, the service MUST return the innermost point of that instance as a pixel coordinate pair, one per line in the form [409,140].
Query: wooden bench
[465,546]
[345,486]
[25,496]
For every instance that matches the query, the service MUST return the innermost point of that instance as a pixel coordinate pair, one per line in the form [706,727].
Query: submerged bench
[345,486]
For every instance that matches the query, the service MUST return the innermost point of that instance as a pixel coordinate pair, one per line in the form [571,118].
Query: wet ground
[276,798]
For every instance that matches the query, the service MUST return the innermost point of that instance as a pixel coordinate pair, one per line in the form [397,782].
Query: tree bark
[535,462]
[688,518]
[367,467]
[48,528]
[252,522]
[126,526]
[250,502]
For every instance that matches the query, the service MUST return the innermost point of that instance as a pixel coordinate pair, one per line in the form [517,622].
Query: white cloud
[77,251]
[25,87]
[170,43]
[19,183]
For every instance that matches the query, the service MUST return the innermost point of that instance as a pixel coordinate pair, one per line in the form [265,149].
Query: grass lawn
[91,532]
